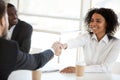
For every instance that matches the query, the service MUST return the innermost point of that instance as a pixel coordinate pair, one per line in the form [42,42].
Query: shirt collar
[12,27]
[104,39]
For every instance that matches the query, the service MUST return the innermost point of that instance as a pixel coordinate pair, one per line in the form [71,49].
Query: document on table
[49,69]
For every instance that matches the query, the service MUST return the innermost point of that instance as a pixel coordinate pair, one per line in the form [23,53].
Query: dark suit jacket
[11,58]
[8,59]
[22,34]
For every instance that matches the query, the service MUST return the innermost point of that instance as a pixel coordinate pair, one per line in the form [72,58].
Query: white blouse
[97,54]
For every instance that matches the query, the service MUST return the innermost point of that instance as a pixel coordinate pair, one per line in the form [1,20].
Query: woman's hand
[69,69]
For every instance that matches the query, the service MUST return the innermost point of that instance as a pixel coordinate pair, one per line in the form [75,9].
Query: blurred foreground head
[3,19]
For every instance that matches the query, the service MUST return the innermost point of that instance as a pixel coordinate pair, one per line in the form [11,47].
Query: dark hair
[2,9]
[110,17]
[10,5]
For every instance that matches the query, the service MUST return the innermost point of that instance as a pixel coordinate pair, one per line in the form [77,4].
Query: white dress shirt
[9,33]
[99,54]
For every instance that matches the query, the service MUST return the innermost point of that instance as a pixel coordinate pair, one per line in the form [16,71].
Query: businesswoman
[100,46]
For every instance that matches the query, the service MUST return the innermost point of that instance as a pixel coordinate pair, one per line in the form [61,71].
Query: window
[54,14]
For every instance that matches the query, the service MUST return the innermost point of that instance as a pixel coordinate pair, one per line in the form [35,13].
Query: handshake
[57,47]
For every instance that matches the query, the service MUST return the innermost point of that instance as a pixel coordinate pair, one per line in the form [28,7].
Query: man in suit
[19,31]
[11,58]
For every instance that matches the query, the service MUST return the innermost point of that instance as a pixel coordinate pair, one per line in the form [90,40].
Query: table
[87,76]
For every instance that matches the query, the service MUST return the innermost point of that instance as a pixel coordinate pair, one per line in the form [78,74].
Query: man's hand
[57,47]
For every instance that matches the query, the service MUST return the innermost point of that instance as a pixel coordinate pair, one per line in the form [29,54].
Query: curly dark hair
[110,17]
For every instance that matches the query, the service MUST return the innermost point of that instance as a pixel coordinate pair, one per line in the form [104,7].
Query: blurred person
[19,31]
[100,47]
[12,58]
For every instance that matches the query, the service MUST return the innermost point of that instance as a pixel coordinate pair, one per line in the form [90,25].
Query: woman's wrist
[64,46]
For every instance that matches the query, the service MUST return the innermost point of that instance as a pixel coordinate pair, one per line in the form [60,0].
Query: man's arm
[33,61]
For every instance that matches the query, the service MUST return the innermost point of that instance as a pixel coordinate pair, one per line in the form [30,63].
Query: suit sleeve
[26,42]
[33,61]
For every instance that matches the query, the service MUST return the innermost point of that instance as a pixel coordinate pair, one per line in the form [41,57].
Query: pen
[48,71]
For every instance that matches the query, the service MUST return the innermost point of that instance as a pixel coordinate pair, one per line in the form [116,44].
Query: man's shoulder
[7,42]
[24,23]
[8,54]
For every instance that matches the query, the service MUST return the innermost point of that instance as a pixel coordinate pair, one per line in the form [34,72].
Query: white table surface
[26,75]
[87,76]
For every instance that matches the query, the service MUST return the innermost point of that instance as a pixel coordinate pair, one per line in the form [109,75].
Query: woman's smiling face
[98,24]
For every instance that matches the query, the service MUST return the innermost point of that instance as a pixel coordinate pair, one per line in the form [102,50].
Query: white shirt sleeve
[80,40]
